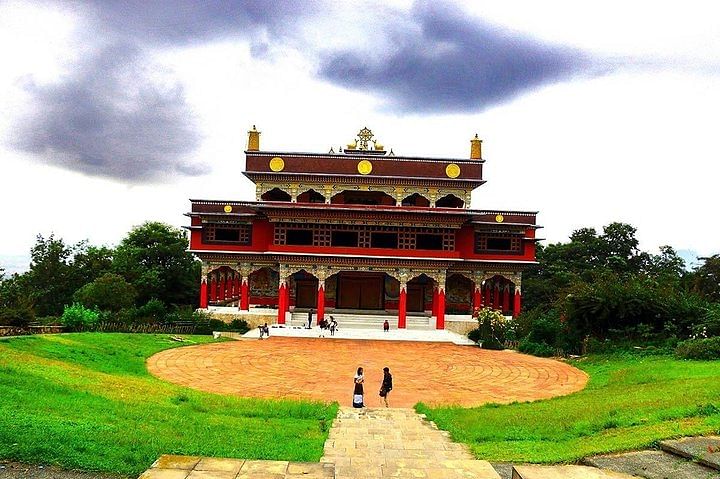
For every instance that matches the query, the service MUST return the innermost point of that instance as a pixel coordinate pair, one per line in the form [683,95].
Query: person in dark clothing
[310,315]
[333,326]
[386,326]
[358,392]
[386,385]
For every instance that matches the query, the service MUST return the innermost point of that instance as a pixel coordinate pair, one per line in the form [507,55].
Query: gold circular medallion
[452,170]
[364,167]
[277,164]
[228,209]
[499,218]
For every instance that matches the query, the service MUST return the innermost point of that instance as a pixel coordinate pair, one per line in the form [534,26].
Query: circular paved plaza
[323,369]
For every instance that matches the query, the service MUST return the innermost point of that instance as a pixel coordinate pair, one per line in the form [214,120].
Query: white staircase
[363,320]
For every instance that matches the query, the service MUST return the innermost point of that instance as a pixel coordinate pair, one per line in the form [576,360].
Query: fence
[31,329]
[177,327]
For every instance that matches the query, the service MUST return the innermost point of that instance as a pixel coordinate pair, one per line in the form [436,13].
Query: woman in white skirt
[358,391]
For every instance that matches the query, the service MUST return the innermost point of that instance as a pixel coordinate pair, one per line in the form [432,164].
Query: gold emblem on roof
[452,170]
[364,167]
[362,143]
[277,164]
[227,209]
[499,218]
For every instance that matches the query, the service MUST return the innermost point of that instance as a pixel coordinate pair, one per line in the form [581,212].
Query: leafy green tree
[91,262]
[51,280]
[153,258]
[109,292]
[706,278]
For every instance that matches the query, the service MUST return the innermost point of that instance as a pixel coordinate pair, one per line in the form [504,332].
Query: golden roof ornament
[365,138]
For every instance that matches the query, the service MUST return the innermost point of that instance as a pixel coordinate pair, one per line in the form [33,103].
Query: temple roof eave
[357,154]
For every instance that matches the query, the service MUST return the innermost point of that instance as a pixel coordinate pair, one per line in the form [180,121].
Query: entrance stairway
[364,320]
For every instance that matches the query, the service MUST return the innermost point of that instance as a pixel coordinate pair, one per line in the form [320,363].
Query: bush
[19,315]
[493,344]
[475,335]
[109,292]
[536,349]
[706,349]
[78,318]
[151,312]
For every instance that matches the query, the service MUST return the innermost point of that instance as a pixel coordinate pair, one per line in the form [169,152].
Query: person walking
[386,385]
[310,315]
[358,392]
[333,326]
[386,326]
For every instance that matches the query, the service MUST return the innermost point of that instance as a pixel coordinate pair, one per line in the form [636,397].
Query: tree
[51,280]
[109,292]
[706,278]
[153,258]
[91,262]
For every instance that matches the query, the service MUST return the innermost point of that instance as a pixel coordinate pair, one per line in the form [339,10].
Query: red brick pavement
[300,368]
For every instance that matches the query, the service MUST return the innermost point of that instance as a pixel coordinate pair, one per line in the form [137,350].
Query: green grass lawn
[86,401]
[631,401]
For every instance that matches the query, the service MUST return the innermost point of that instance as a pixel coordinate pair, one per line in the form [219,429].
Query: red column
[321,301]
[203,293]
[402,306]
[488,291]
[440,322]
[237,286]
[517,305]
[221,289]
[506,298]
[213,287]
[477,297]
[245,294]
[496,299]
[282,302]
[230,286]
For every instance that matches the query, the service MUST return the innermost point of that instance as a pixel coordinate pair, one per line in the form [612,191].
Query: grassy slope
[631,401]
[86,401]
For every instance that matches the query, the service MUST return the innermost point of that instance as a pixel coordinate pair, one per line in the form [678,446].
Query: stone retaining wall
[460,326]
[253,319]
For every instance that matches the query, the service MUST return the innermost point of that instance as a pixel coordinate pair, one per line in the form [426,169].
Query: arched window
[354,197]
[311,196]
[276,194]
[449,201]
[416,200]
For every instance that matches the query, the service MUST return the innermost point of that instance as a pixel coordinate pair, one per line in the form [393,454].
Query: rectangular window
[384,240]
[345,238]
[299,237]
[237,234]
[498,242]
[427,241]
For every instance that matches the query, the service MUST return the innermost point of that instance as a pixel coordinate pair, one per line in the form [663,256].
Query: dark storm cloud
[110,119]
[451,63]
[115,115]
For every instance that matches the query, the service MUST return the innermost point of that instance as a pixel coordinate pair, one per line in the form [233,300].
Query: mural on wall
[331,288]
[264,283]
[459,294]
[392,288]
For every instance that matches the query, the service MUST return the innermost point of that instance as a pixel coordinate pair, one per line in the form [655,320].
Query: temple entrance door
[360,291]
[306,293]
[416,297]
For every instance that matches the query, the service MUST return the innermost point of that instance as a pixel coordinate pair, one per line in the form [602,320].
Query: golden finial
[253,140]
[476,148]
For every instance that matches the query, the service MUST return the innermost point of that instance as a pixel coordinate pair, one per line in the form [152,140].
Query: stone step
[565,472]
[653,465]
[704,450]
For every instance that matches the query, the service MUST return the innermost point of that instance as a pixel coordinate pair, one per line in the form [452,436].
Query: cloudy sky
[114,113]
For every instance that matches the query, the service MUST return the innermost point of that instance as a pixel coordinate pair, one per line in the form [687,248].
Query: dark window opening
[311,196]
[384,240]
[426,241]
[416,200]
[227,234]
[345,238]
[501,244]
[276,194]
[299,237]
[449,201]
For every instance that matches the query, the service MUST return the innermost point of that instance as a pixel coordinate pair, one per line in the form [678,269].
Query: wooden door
[415,297]
[371,293]
[306,293]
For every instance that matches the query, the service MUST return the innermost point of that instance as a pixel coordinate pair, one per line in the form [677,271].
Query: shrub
[474,335]
[707,348]
[109,292]
[151,312]
[536,349]
[492,343]
[78,318]
[19,315]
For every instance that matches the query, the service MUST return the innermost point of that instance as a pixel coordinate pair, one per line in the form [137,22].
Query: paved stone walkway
[381,443]
[298,368]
